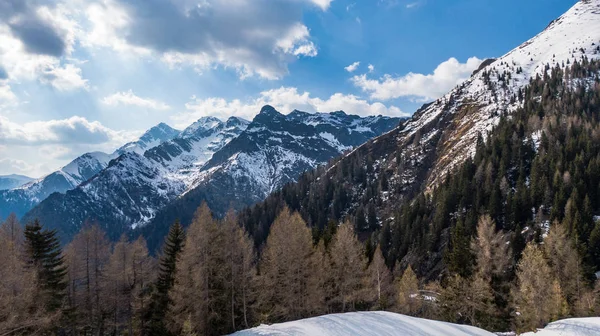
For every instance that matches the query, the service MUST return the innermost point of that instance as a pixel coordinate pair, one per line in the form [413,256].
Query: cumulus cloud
[425,87]
[35,36]
[255,37]
[74,130]
[352,67]
[371,68]
[27,23]
[128,98]
[285,100]
[67,78]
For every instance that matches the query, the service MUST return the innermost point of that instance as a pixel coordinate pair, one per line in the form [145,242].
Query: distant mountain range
[232,163]
[22,197]
[13,181]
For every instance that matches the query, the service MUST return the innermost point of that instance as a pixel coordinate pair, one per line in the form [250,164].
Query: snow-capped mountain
[442,134]
[22,198]
[274,150]
[448,128]
[152,138]
[277,148]
[134,186]
[13,181]
[240,162]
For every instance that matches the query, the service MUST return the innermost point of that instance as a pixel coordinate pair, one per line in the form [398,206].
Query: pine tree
[160,301]
[44,256]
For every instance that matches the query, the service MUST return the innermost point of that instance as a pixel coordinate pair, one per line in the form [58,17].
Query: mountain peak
[269,110]
[201,126]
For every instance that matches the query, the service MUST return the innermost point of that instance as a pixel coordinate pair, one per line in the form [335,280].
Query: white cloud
[72,131]
[67,78]
[426,87]
[285,100]
[16,166]
[323,4]
[129,98]
[7,97]
[352,67]
[49,34]
[371,68]
[413,4]
[254,37]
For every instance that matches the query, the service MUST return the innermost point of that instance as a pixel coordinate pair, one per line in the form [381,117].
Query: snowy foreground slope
[391,324]
[570,327]
[365,323]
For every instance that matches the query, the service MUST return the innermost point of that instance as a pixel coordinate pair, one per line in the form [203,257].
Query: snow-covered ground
[390,324]
[589,326]
[365,323]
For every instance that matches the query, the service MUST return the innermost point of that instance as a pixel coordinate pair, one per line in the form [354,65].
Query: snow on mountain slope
[475,106]
[133,187]
[363,324]
[277,148]
[152,138]
[589,326]
[274,150]
[24,197]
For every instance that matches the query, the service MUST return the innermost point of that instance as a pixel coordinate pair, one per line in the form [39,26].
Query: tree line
[210,280]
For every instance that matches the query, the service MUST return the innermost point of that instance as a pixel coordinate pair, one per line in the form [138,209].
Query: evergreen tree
[44,256]
[160,301]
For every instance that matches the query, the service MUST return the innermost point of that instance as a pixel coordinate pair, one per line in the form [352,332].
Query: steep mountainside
[24,197]
[13,181]
[233,162]
[375,185]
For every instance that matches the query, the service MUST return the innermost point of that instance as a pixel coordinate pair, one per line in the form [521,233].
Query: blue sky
[79,76]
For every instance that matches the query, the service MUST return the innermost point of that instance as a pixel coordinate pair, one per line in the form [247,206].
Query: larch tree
[19,313]
[537,297]
[408,301]
[285,270]
[564,262]
[379,289]
[199,288]
[87,256]
[129,273]
[493,258]
[347,268]
[241,271]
